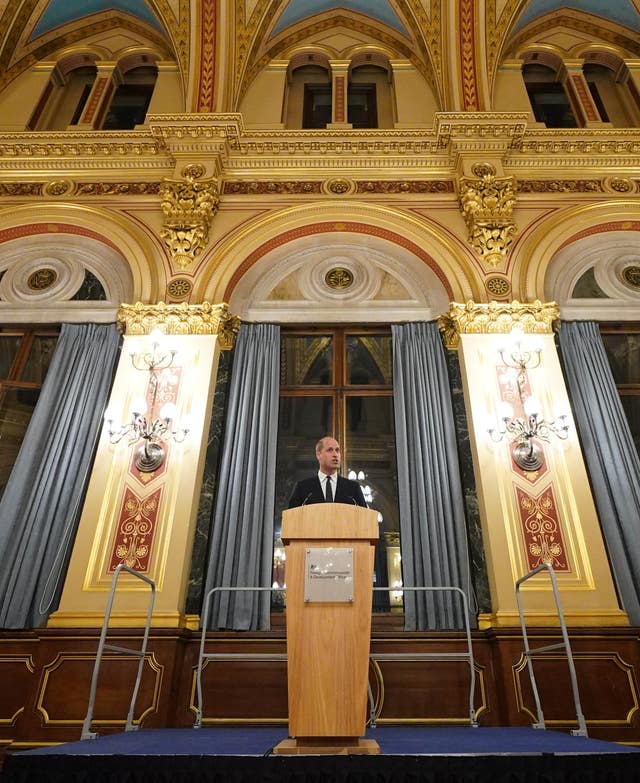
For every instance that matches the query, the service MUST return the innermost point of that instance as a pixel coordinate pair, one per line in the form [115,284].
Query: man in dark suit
[327,486]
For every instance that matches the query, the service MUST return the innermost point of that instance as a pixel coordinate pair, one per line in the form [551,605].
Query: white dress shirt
[333,478]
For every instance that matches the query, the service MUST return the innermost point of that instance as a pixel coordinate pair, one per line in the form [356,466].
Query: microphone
[353,500]
[307,498]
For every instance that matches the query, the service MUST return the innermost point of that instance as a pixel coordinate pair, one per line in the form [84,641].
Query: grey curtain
[432,524]
[41,504]
[610,454]
[241,540]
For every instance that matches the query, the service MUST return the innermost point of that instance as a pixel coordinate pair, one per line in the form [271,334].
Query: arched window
[369,101]
[64,99]
[339,381]
[548,97]
[309,97]
[610,97]
[131,99]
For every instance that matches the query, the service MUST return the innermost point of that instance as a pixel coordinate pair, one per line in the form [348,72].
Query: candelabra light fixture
[531,427]
[528,454]
[516,357]
[149,430]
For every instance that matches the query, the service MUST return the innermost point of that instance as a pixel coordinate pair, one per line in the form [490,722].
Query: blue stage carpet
[414,754]
[393,740]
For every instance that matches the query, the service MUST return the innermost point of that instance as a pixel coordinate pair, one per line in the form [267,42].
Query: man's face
[328,455]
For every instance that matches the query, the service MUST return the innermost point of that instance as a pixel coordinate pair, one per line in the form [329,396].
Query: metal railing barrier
[581,731]
[102,646]
[224,656]
[440,656]
[203,656]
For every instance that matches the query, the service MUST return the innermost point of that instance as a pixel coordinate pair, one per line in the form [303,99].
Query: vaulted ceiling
[241,37]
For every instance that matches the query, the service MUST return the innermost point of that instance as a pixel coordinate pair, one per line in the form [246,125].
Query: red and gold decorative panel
[339,98]
[136,528]
[541,529]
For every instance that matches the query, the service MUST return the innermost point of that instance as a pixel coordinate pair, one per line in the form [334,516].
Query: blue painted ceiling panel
[297,10]
[60,12]
[620,11]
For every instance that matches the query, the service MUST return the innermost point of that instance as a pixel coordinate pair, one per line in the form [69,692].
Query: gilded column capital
[497,318]
[188,207]
[182,318]
[486,203]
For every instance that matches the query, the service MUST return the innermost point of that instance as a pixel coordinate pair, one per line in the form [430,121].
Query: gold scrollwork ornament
[188,208]
[487,204]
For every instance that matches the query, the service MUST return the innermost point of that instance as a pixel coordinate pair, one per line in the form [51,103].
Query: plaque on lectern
[328,574]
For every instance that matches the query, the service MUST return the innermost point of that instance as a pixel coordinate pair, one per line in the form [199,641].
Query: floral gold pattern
[135,530]
[541,530]
[497,318]
[180,318]
[59,187]
[188,208]
[487,203]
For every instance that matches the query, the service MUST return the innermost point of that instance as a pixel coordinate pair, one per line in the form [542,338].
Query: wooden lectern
[329,571]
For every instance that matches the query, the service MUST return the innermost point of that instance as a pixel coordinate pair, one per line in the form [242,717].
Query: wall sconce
[527,454]
[518,358]
[151,430]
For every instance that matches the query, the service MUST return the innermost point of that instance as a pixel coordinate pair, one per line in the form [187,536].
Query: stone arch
[537,259]
[108,244]
[403,268]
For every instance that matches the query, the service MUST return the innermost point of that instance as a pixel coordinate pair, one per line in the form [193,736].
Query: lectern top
[331,521]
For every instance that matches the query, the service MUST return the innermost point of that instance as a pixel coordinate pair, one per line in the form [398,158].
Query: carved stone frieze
[271,188]
[27,145]
[21,188]
[188,207]
[497,318]
[118,189]
[560,186]
[487,202]
[405,186]
[182,318]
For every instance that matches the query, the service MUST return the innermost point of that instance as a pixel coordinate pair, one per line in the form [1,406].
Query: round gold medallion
[179,288]
[42,279]
[338,278]
[631,276]
[498,286]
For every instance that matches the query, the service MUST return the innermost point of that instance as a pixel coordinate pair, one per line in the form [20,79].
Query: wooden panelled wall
[46,677]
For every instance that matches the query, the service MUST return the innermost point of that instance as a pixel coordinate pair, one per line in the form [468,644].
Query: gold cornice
[497,318]
[223,140]
[182,318]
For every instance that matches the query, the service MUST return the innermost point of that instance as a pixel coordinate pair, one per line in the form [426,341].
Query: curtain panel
[41,505]
[433,537]
[241,540]
[609,452]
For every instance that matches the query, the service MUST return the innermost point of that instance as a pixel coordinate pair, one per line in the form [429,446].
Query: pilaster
[106,81]
[340,88]
[538,514]
[580,95]
[146,518]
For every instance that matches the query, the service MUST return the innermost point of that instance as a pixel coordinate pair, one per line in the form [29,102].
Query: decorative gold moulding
[595,619]
[119,620]
[188,208]
[180,318]
[497,318]
[487,203]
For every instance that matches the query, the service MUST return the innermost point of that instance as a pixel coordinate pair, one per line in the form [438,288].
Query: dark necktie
[328,494]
